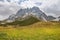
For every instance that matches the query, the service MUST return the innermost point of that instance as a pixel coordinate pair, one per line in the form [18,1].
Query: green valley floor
[36,31]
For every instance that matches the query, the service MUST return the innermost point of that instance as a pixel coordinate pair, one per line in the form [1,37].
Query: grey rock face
[59,18]
[51,18]
[34,11]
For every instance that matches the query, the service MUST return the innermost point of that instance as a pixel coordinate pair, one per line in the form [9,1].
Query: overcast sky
[50,7]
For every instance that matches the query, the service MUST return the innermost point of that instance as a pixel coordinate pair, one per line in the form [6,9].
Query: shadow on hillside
[26,22]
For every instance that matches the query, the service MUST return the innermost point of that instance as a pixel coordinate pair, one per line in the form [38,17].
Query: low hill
[28,21]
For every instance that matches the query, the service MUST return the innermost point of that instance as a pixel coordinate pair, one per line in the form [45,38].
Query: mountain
[35,11]
[11,18]
[28,21]
[51,18]
[26,13]
[59,18]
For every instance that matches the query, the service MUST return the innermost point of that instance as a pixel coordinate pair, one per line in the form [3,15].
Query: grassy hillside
[27,21]
[36,31]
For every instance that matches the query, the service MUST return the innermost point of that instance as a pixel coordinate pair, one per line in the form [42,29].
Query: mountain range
[23,14]
[59,18]
[29,13]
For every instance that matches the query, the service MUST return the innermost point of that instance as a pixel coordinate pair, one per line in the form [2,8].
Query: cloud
[53,8]
[50,7]
[38,3]
[28,4]
[7,9]
[1,17]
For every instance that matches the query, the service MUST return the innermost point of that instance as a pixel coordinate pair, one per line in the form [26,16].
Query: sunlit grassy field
[36,31]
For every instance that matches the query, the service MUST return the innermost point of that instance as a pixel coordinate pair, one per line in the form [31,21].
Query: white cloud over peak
[28,4]
[7,9]
[50,7]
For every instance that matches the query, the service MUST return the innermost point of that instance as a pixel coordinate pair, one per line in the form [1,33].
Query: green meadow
[36,31]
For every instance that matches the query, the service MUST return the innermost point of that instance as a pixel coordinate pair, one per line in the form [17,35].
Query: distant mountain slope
[59,18]
[51,18]
[25,22]
[28,16]
[24,13]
